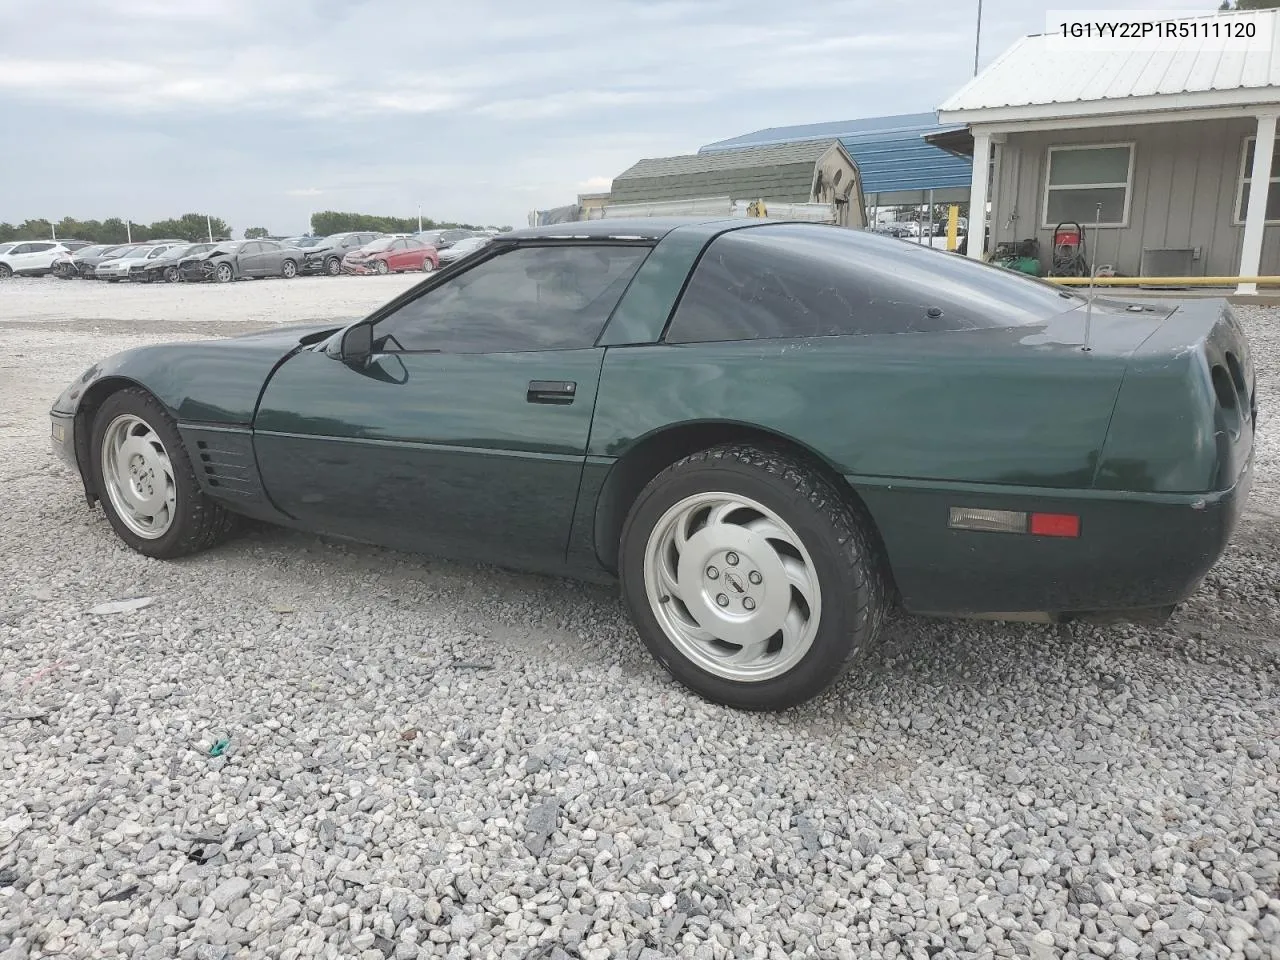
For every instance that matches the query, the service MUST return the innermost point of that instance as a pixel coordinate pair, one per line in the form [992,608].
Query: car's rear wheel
[6,271]
[224,273]
[333,266]
[751,578]
[289,270]
[146,481]
[380,267]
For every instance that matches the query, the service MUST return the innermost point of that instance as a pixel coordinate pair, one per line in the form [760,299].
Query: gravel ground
[297,748]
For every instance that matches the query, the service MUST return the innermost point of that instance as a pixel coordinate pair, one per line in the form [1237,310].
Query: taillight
[1014,521]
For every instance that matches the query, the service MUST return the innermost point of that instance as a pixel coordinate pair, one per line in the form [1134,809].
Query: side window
[802,280]
[249,249]
[40,247]
[21,248]
[268,246]
[554,297]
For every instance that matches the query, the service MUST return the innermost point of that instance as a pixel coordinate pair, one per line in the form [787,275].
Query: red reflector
[1054,525]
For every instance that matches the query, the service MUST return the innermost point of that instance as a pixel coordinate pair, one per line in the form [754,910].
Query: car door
[465,432]
[398,254]
[250,259]
[270,258]
[40,256]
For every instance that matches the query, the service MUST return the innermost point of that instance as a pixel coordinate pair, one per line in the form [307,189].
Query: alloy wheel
[732,586]
[138,475]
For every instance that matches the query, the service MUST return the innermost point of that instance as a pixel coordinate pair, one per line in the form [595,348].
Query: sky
[263,111]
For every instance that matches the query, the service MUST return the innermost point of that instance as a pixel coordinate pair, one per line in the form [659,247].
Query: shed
[896,162]
[1165,153]
[819,171]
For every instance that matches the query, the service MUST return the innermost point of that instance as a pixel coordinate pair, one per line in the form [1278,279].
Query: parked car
[770,434]
[443,238]
[242,259]
[391,255]
[30,258]
[462,248]
[326,256]
[165,267]
[66,266]
[303,243]
[118,268]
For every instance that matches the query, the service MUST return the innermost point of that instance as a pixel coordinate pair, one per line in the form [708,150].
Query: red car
[391,255]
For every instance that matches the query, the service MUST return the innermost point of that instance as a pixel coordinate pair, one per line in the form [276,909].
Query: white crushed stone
[430,759]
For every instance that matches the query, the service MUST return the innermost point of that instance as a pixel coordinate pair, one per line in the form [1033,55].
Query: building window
[1242,188]
[1080,178]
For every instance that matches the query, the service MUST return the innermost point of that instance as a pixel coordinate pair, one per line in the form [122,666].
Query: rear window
[784,281]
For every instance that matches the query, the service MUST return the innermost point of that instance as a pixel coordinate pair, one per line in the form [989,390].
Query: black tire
[333,266]
[171,275]
[200,523]
[6,271]
[224,273]
[380,267]
[289,269]
[849,569]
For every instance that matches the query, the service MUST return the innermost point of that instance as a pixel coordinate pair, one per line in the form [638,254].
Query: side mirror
[357,344]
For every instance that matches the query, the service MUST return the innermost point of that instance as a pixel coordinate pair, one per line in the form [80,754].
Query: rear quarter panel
[977,406]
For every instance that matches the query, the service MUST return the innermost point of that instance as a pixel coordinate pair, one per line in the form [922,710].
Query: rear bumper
[1134,552]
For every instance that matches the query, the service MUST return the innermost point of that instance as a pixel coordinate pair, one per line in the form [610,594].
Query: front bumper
[198,270]
[315,264]
[64,438]
[358,269]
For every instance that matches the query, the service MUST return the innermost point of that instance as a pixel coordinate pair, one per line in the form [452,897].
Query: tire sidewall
[224,273]
[333,266]
[289,270]
[382,269]
[144,406]
[838,629]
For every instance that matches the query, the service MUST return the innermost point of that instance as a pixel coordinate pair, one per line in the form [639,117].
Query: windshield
[6,247]
[93,251]
[226,247]
[139,252]
[378,245]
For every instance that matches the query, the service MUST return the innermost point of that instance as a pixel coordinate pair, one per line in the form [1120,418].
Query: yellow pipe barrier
[1165,281]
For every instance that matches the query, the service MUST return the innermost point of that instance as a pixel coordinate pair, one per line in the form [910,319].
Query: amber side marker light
[1015,521]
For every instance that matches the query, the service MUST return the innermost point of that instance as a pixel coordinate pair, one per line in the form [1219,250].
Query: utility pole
[977,37]
[128,230]
[208,223]
[419,218]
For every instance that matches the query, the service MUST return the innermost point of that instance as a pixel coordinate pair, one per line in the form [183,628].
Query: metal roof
[778,172]
[891,152]
[1042,71]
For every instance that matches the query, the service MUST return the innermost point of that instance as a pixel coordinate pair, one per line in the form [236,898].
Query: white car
[462,249]
[117,268]
[30,258]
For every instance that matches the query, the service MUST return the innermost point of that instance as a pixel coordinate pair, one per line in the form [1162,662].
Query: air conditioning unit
[1165,262]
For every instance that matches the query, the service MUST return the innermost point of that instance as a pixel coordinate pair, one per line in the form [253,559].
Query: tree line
[189,226]
[195,227]
[333,221]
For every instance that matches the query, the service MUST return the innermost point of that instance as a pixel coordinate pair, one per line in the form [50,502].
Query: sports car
[769,434]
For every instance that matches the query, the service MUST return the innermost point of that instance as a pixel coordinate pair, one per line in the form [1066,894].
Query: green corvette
[770,434]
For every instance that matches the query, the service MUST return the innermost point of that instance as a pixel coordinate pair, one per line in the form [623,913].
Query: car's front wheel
[171,275]
[146,481]
[289,270]
[333,266]
[750,577]
[224,273]
[381,268]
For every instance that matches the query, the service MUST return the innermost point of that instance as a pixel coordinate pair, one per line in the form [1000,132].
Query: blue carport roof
[891,152]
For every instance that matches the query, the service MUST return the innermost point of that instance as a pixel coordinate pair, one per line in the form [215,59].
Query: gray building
[819,171]
[1177,145]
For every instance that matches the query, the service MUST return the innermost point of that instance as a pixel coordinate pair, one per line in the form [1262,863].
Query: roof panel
[1035,71]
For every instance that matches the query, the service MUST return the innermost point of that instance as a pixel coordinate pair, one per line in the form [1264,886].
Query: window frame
[490,251]
[1130,145]
[1243,177]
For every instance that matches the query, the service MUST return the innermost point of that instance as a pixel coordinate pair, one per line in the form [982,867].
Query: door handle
[551,391]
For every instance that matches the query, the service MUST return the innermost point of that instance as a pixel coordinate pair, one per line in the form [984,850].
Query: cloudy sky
[262,111]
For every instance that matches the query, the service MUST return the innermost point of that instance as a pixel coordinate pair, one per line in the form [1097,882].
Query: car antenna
[1093,273]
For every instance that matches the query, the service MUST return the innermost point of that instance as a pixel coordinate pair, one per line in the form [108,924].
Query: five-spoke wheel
[138,476]
[751,575]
